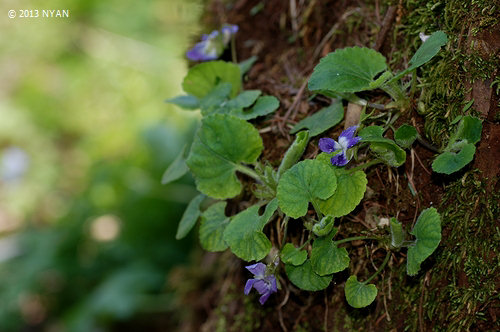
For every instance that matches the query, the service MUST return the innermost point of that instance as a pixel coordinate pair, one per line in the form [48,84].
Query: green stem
[396,92]
[355,238]
[365,165]
[316,208]
[248,171]
[386,260]
[304,244]
[285,220]
[233,50]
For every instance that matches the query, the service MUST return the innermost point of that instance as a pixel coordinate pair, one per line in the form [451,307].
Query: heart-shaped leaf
[263,106]
[322,120]
[305,278]
[327,258]
[243,100]
[307,181]
[176,169]
[189,217]
[427,230]
[405,136]
[450,162]
[386,149]
[347,70]
[244,233]
[213,100]
[213,223]
[202,78]
[359,294]
[469,129]
[291,255]
[351,188]
[220,144]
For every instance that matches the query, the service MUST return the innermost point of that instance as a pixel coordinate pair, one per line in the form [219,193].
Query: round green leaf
[389,152]
[405,136]
[427,230]
[347,70]
[351,188]
[358,294]
[450,162]
[470,129]
[202,78]
[305,278]
[306,181]
[189,217]
[327,258]
[213,223]
[291,255]
[220,144]
[244,233]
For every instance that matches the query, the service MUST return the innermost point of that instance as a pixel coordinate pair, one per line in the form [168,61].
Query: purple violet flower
[264,284]
[346,141]
[213,44]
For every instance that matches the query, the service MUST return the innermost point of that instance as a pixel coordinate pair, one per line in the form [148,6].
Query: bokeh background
[86,228]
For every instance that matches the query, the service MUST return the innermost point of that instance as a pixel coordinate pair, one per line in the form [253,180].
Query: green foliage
[351,188]
[247,64]
[327,258]
[189,217]
[263,106]
[294,152]
[307,181]
[386,149]
[177,168]
[202,78]
[347,70]
[324,227]
[322,120]
[405,136]
[427,230]
[358,294]
[244,233]
[450,162]
[305,278]
[220,144]
[212,226]
[397,235]
[293,256]
[187,102]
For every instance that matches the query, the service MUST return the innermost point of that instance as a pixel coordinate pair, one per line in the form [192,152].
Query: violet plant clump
[213,44]
[264,281]
[346,141]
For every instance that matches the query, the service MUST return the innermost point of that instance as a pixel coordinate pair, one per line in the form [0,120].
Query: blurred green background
[86,229]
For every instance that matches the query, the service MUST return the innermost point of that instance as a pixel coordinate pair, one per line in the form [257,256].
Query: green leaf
[294,152]
[405,136]
[427,230]
[176,169]
[397,235]
[263,106]
[215,98]
[327,258]
[469,129]
[351,188]
[291,255]
[245,99]
[245,65]
[389,152]
[322,120]
[202,78]
[325,226]
[244,233]
[372,134]
[305,182]
[450,162]
[220,144]
[359,294]
[213,223]
[347,70]
[305,278]
[187,102]
[425,52]
[189,217]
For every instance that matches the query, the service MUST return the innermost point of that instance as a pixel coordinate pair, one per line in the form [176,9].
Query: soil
[289,43]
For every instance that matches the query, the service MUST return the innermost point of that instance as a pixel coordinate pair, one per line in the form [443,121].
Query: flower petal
[262,286]
[258,269]
[249,285]
[272,280]
[349,132]
[339,159]
[264,298]
[353,141]
[328,145]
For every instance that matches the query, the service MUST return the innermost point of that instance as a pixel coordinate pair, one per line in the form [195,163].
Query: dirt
[288,46]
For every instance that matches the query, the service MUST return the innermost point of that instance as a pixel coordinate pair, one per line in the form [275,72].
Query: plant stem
[365,165]
[233,50]
[384,263]
[355,238]
[396,92]
[285,221]
[316,208]
[248,171]
[304,244]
